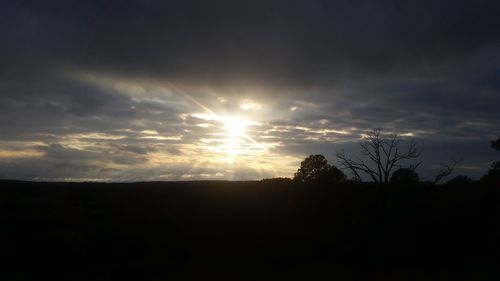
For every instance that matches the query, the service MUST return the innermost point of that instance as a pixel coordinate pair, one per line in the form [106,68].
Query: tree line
[383,159]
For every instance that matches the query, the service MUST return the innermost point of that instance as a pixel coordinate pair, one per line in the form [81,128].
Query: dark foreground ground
[247,231]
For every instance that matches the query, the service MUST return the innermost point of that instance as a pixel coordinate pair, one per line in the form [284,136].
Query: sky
[241,90]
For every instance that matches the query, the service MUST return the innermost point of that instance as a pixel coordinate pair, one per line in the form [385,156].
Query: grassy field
[270,230]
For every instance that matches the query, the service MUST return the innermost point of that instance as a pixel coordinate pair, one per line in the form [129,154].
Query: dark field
[248,231]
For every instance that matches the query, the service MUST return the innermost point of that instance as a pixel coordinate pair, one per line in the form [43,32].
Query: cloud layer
[124,90]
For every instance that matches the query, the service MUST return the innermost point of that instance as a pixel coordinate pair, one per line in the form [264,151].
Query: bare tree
[381,154]
[445,169]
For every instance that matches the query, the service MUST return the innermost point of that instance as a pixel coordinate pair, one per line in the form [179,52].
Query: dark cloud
[255,41]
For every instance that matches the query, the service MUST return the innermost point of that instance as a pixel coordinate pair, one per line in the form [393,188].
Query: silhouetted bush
[278,181]
[404,176]
[459,181]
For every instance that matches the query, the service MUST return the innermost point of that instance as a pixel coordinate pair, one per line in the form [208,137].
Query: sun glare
[237,140]
[232,137]
[235,126]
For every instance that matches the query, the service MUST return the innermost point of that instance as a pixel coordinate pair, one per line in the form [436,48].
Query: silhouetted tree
[495,144]
[382,153]
[493,176]
[495,165]
[445,169]
[315,168]
[404,176]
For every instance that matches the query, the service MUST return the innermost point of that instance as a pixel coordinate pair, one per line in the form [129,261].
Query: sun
[237,140]
[235,126]
[231,138]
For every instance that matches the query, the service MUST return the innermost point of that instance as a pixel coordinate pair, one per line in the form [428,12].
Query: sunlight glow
[28,153]
[230,136]
[235,126]
[226,134]
[237,141]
